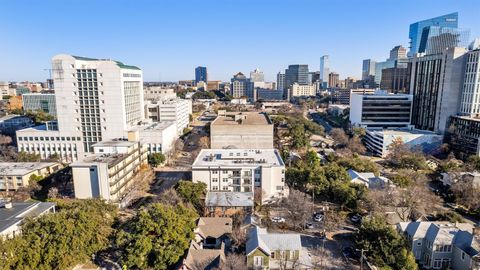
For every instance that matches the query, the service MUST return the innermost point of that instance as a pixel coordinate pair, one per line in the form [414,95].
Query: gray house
[443,245]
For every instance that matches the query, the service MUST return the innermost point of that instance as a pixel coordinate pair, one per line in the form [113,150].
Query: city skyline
[167,49]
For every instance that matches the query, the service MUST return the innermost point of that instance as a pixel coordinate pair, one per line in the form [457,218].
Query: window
[224,188]
[214,179]
[225,180]
[214,188]
[279,187]
[463,256]
[258,261]
[225,171]
[214,172]
[272,255]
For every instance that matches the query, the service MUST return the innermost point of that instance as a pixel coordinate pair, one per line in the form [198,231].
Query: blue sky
[169,38]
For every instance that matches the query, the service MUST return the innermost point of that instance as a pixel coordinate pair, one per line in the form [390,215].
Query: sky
[169,38]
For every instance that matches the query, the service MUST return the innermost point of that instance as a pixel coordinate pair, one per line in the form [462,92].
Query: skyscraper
[397,53]
[418,32]
[296,74]
[324,70]
[368,69]
[470,104]
[201,74]
[436,85]
[333,79]
[257,76]
[241,87]
[280,81]
[440,38]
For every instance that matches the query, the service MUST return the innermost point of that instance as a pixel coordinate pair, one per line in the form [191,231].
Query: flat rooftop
[229,199]
[11,116]
[400,132]
[121,143]
[238,158]
[155,126]
[242,118]
[22,168]
[110,159]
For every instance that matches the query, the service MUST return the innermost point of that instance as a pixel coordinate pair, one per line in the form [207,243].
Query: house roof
[368,178]
[198,258]
[229,199]
[21,210]
[259,238]
[214,226]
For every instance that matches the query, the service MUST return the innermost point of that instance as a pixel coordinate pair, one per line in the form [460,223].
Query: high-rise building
[302,90]
[397,59]
[395,80]
[257,76]
[470,103]
[296,74]
[333,79]
[436,85]
[368,68]
[201,74]
[441,38]
[418,32]
[241,87]
[324,70]
[280,81]
[96,100]
[40,101]
[397,53]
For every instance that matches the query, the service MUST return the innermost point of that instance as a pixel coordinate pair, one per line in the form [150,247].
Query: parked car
[318,217]
[356,218]
[278,219]
[309,225]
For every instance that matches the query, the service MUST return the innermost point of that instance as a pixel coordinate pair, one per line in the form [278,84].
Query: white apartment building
[96,100]
[470,103]
[380,110]
[157,92]
[109,172]
[299,90]
[158,137]
[170,109]
[241,170]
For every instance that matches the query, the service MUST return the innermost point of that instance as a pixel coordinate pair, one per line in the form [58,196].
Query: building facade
[380,110]
[368,68]
[201,74]
[241,87]
[470,102]
[241,170]
[280,81]
[110,171]
[167,110]
[302,90]
[241,131]
[15,175]
[324,71]
[418,37]
[96,100]
[333,80]
[436,85]
[395,80]
[296,74]
[39,101]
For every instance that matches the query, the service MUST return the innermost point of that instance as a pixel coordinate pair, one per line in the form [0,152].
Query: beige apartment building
[14,175]
[241,130]
[108,173]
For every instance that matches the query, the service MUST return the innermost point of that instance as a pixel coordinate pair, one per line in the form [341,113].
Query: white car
[278,220]
[318,217]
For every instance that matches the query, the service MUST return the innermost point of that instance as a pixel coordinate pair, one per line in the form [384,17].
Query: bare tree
[5,140]
[287,259]
[466,192]
[339,136]
[235,261]
[299,207]
[204,142]
[356,146]
[169,197]
[53,193]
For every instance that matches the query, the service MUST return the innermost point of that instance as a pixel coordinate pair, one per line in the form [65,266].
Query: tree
[356,146]
[156,237]
[299,207]
[339,136]
[382,245]
[28,157]
[359,132]
[299,139]
[192,192]
[234,261]
[5,140]
[467,193]
[204,142]
[39,116]
[312,158]
[402,178]
[155,159]
[400,156]
[60,240]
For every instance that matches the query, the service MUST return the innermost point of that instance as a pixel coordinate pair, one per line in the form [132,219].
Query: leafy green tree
[359,164]
[400,180]
[299,139]
[156,237]
[39,116]
[312,158]
[155,159]
[191,192]
[359,132]
[297,177]
[384,246]
[60,240]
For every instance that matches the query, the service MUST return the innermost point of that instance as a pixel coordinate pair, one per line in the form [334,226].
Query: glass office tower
[201,74]
[418,36]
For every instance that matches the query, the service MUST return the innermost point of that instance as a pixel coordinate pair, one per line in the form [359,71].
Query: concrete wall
[241,136]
